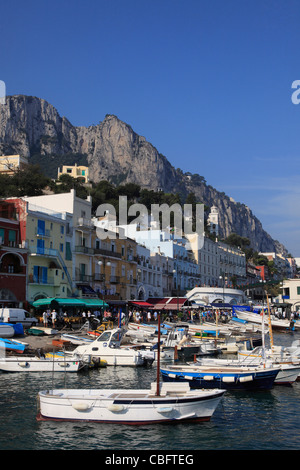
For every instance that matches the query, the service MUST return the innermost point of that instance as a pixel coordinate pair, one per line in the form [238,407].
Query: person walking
[53,317]
[45,318]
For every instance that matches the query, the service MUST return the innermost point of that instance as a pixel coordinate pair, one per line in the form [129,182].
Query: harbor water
[264,420]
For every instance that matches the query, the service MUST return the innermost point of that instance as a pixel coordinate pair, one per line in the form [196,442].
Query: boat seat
[175,387]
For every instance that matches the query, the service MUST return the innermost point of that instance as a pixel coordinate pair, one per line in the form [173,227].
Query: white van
[17,315]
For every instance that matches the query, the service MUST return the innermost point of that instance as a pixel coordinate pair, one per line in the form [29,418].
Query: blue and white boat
[12,345]
[227,378]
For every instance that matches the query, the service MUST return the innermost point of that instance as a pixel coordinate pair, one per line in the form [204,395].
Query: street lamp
[104,263]
[175,271]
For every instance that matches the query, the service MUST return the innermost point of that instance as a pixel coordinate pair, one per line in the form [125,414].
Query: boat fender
[188,377]
[246,378]
[23,364]
[165,409]
[81,406]
[64,364]
[208,377]
[172,375]
[115,408]
[228,379]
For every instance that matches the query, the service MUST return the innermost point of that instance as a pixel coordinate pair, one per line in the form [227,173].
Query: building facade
[13,254]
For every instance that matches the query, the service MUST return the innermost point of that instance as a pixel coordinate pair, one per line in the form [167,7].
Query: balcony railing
[84,250]
[109,253]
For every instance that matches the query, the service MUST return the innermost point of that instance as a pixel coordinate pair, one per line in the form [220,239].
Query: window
[41,227]
[61,247]
[298,290]
[62,229]
[68,251]
[12,237]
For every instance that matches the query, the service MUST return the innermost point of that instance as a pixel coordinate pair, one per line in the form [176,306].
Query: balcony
[84,250]
[114,279]
[84,222]
[40,280]
[108,253]
[39,250]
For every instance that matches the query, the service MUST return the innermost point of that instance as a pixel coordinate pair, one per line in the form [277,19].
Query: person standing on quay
[53,316]
[45,318]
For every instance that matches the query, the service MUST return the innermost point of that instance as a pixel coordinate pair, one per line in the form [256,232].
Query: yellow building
[9,164]
[115,267]
[79,172]
[49,254]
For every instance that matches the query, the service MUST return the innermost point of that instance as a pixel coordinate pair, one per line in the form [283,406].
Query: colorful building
[13,254]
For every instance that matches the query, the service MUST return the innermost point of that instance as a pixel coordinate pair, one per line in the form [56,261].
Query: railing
[40,280]
[84,249]
[114,254]
[53,253]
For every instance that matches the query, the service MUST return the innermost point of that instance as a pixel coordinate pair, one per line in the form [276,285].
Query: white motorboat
[108,347]
[256,318]
[40,364]
[173,403]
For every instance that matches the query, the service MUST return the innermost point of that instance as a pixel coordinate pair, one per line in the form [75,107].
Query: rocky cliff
[32,127]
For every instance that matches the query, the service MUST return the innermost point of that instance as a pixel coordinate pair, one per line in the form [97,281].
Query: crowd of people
[56,319]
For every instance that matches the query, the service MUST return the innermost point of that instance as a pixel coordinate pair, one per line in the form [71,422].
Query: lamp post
[104,263]
[175,271]
[224,279]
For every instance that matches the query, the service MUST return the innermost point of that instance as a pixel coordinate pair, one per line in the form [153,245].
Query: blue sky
[207,82]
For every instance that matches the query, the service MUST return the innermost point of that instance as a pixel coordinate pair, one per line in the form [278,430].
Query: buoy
[115,408]
[246,378]
[81,406]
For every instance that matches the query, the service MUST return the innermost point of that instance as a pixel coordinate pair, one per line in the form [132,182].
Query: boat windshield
[114,338]
[105,336]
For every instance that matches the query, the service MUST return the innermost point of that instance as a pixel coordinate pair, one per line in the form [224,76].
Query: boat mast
[270,324]
[158,357]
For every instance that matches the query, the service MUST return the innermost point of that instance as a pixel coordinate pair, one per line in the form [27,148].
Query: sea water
[262,420]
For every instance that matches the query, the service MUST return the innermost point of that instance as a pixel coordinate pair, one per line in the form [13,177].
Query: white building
[291,293]
[203,296]
[185,269]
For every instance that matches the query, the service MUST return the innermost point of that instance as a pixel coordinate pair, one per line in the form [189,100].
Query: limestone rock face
[31,126]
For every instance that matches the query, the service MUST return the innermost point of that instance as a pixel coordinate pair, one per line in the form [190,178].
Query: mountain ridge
[32,127]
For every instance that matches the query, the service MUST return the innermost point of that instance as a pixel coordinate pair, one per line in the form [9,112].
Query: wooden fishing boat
[172,404]
[228,378]
[12,345]
[37,364]
[256,318]
[287,375]
[162,403]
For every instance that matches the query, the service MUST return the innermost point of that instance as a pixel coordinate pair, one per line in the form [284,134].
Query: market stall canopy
[141,304]
[175,303]
[93,303]
[57,302]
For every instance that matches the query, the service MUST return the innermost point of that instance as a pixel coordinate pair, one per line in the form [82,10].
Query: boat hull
[34,364]
[138,407]
[243,380]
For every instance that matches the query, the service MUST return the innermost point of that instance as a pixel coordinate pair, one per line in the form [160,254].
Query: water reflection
[243,420]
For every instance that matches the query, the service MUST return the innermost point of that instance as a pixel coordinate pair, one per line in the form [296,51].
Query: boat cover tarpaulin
[175,302]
